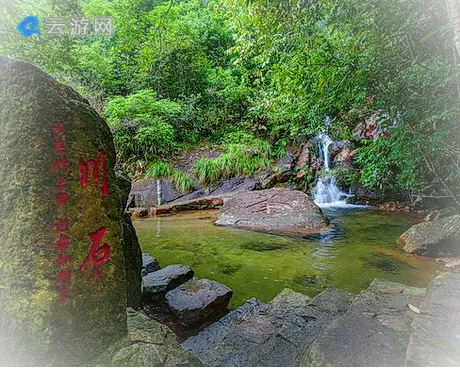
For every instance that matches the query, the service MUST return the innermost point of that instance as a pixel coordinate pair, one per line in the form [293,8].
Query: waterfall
[327,191]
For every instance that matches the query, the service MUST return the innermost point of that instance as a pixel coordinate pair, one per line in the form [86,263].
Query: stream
[359,246]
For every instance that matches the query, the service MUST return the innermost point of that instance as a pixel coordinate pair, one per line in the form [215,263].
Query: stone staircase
[388,324]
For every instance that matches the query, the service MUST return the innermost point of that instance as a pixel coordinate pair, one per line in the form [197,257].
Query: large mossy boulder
[433,238]
[273,210]
[62,275]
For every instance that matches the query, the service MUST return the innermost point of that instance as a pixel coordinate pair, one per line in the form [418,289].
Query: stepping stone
[149,264]
[374,332]
[199,300]
[436,337]
[259,334]
[165,279]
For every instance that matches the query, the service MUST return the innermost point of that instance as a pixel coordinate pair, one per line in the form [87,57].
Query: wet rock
[199,300]
[272,209]
[149,344]
[165,279]
[149,264]
[144,192]
[434,238]
[63,286]
[436,330]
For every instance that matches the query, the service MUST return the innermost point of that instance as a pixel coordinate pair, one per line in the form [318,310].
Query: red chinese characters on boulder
[96,170]
[98,254]
[96,166]
[61,167]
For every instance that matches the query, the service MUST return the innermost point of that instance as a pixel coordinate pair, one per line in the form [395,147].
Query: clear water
[359,246]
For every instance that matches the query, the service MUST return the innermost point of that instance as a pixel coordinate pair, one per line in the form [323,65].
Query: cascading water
[327,191]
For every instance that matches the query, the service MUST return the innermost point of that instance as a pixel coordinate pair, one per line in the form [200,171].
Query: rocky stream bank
[76,290]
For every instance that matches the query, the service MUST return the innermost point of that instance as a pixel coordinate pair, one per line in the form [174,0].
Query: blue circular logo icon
[29,26]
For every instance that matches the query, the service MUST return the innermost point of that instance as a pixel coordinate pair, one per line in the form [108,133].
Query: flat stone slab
[259,334]
[374,332]
[165,279]
[149,264]
[436,337]
[276,210]
[203,203]
[199,300]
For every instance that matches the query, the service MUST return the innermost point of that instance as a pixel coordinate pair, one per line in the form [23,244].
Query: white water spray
[328,193]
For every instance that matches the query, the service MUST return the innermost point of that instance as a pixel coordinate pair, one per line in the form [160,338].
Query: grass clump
[162,170]
[182,181]
[158,170]
[239,159]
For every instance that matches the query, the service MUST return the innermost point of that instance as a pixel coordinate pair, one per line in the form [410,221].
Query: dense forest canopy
[257,77]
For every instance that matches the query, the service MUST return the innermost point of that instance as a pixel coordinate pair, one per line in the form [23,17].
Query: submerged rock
[62,275]
[434,238]
[199,300]
[149,264]
[165,279]
[273,210]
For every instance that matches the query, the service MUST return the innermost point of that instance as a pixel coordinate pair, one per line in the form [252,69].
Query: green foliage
[159,170]
[183,182]
[258,76]
[238,160]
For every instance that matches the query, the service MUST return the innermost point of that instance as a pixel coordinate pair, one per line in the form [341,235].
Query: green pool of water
[359,246]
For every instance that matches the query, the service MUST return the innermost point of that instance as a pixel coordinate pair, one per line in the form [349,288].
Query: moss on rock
[36,326]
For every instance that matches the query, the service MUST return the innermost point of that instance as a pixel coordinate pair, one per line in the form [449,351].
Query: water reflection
[357,247]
